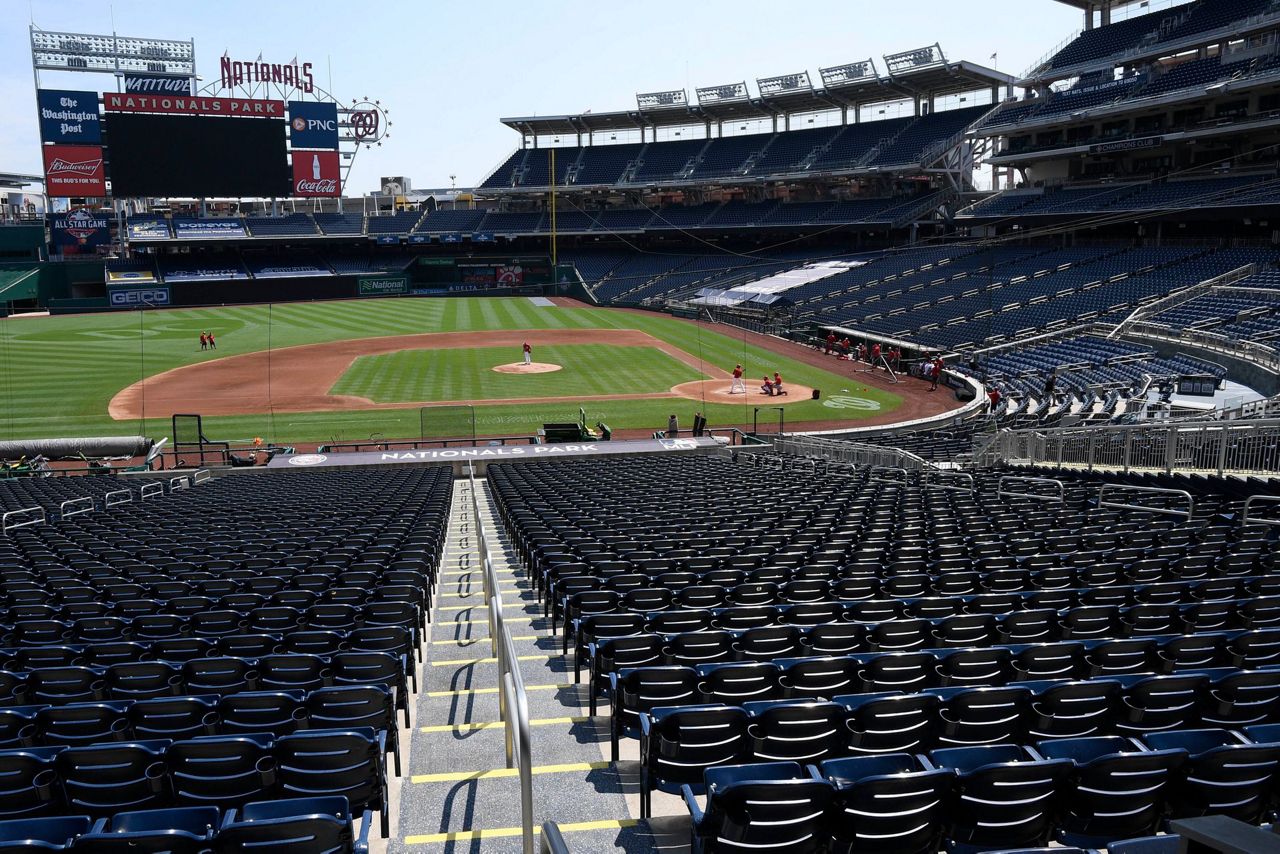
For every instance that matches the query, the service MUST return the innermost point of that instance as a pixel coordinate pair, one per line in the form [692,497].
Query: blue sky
[448,70]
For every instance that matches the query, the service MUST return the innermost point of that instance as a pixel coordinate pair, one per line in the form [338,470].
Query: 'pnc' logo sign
[139,297]
[301,124]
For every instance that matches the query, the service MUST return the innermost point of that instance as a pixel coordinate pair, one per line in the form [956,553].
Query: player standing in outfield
[528,354]
[204,341]
[738,386]
[213,345]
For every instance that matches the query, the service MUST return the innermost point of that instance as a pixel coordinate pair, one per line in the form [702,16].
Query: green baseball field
[348,371]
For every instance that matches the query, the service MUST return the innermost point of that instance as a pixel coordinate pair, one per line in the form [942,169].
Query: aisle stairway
[459,796]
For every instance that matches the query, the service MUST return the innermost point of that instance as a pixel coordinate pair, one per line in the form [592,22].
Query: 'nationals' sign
[197,105]
[235,72]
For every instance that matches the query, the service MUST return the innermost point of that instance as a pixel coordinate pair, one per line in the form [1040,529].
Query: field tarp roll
[73,449]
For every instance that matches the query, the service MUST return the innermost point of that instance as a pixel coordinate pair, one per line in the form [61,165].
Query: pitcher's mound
[522,368]
[717,391]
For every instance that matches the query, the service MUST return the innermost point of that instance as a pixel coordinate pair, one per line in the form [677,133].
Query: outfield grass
[58,374]
[587,370]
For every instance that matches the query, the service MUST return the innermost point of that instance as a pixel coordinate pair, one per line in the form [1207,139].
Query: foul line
[506,832]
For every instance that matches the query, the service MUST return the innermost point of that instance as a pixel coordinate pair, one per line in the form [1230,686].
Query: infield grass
[466,373]
[57,374]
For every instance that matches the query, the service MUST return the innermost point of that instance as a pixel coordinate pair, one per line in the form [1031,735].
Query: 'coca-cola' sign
[316,173]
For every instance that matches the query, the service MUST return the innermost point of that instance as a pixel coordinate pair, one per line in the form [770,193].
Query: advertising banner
[196,105]
[316,173]
[74,170]
[381,286]
[386,239]
[216,228]
[80,229]
[137,84]
[313,124]
[483,237]
[509,274]
[147,229]
[67,116]
[137,297]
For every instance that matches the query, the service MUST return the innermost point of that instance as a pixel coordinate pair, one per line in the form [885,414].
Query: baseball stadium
[877,459]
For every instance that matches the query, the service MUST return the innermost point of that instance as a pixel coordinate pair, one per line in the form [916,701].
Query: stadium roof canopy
[15,181]
[1086,5]
[920,73]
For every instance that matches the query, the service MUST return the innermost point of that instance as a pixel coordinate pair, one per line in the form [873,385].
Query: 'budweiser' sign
[74,170]
[77,167]
[124,102]
[316,173]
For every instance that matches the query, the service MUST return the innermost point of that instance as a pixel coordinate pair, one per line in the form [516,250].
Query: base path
[298,379]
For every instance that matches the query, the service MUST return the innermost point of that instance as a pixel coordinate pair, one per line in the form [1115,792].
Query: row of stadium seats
[954,311]
[1094,791]
[309,823]
[869,145]
[1257,189]
[790,646]
[1153,28]
[166,657]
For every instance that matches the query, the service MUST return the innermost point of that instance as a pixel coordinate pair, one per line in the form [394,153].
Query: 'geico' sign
[139,297]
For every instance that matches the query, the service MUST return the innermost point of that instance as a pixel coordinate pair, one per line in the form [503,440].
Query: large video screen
[196,156]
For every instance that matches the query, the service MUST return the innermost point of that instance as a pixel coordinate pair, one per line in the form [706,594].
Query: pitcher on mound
[528,354]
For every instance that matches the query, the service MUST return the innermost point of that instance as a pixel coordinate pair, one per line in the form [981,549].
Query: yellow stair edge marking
[479,725]
[511,619]
[504,832]
[497,773]
[463,691]
[520,602]
[459,642]
[479,591]
[475,569]
[463,661]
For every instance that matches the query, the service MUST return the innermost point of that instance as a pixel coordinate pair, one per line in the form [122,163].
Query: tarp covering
[73,449]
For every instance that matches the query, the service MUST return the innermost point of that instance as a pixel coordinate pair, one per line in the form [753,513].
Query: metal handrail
[1001,492]
[1265,499]
[117,496]
[75,506]
[38,518]
[939,479]
[178,483]
[1121,505]
[513,702]
[200,476]
[149,489]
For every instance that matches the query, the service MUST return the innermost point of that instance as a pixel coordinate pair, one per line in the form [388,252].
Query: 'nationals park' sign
[193,105]
[495,453]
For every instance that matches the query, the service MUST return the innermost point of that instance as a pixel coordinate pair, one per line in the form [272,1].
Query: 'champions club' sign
[237,73]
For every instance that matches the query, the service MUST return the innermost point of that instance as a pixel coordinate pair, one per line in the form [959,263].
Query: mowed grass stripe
[467,373]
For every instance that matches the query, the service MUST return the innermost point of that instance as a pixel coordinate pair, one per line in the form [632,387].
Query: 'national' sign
[196,105]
